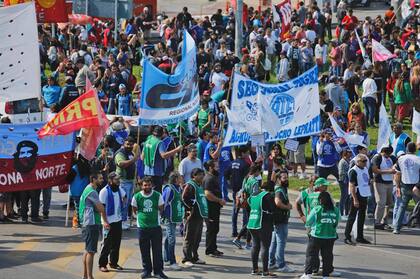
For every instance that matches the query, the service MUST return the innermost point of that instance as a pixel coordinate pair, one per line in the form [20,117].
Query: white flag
[19,53]
[416,122]
[366,58]
[348,137]
[379,52]
[384,129]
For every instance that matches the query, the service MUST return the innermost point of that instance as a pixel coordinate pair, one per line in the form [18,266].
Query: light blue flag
[168,99]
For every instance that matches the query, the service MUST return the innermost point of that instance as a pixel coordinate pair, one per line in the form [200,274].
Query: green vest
[255,217]
[203,117]
[150,149]
[176,208]
[89,189]
[249,184]
[281,190]
[311,201]
[147,210]
[200,198]
[326,222]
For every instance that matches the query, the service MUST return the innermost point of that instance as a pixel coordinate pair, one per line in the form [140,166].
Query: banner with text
[28,162]
[285,110]
[168,99]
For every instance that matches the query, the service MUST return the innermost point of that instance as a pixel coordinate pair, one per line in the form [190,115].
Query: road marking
[72,251]
[28,245]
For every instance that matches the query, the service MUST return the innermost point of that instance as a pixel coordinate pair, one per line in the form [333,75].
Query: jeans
[344,198]
[127,186]
[315,245]
[335,71]
[397,205]
[151,238]
[224,187]
[361,215]
[110,245]
[406,196]
[261,242]
[278,245]
[46,200]
[370,108]
[235,213]
[169,243]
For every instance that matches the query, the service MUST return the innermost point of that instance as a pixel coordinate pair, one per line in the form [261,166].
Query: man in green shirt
[90,212]
[147,205]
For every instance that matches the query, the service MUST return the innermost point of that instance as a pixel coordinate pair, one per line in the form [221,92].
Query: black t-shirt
[353,177]
[351,83]
[237,173]
[268,207]
[211,184]
[376,161]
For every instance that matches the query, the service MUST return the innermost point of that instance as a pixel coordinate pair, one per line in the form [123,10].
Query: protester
[328,155]
[147,206]
[112,197]
[189,163]
[398,139]
[343,181]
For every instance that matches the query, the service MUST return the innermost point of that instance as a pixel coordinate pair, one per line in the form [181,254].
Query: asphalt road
[51,251]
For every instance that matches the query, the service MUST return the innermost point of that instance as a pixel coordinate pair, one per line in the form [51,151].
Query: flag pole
[66,222]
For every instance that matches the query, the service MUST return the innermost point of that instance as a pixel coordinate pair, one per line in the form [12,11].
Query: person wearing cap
[119,130]
[69,92]
[406,180]
[147,205]
[125,161]
[112,196]
[359,188]
[383,173]
[154,155]
[328,154]
[90,211]
[322,223]
[398,138]
[123,101]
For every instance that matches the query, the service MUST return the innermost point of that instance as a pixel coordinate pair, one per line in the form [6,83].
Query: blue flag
[168,99]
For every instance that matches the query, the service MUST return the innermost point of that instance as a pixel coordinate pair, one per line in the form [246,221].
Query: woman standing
[323,221]
[260,226]
[403,97]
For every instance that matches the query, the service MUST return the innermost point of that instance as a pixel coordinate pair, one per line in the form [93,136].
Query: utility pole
[116,21]
[238,28]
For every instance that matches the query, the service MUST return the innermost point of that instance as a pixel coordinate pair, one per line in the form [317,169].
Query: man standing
[112,197]
[359,191]
[215,203]
[382,168]
[189,163]
[125,162]
[90,212]
[213,148]
[407,177]
[196,210]
[146,206]
[328,155]
[398,139]
[154,155]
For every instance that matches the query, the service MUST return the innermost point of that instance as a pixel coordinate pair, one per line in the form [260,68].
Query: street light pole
[238,27]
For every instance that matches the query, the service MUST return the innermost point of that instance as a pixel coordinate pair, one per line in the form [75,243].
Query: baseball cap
[321,182]
[121,86]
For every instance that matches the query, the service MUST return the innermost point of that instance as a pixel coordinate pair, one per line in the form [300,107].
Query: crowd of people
[175,180]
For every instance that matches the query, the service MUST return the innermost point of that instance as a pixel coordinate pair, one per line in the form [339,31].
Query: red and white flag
[379,52]
[283,13]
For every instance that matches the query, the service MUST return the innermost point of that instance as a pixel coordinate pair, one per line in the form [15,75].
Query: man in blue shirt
[50,93]
[213,148]
[202,142]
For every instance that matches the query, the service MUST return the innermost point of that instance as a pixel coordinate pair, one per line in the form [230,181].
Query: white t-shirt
[103,198]
[321,52]
[369,88]
[409,166]
[310,35]
[218,79]
[270,44]
[187,165]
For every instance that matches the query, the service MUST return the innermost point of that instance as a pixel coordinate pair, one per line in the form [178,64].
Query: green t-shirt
[203,118]
[323,223]
[311,201]
[147,209]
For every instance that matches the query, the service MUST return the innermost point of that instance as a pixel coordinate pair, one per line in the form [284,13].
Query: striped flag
[283,13]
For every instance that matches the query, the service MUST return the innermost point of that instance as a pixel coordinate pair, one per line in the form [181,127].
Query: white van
[22,111]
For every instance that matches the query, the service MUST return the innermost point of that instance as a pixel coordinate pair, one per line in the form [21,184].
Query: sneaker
[175,267]
[286,269]
[248,246]
[45,216]
[237,243]
[335,274]
[395,231]
[256,272]
[273,266]
[167,264]
[363,241]
[306,276]
[220,253]
[199,261]
[348,241]
[36,220]
[188,264]
[213,255]
[268,275]
[145,275]
[161,276]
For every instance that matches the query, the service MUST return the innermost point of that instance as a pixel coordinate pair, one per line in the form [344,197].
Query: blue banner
[168,99]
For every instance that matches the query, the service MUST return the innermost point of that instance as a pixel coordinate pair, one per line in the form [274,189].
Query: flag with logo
[85,111]
[283,13]
[379,52]
[384,129]
[348,137]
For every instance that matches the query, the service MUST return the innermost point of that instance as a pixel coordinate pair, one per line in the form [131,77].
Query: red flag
[83,112]
[47,11]
[283,13]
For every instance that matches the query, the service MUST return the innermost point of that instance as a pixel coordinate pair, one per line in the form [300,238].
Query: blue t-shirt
[51,94]
[210,148]
[224,159]
[124,104]
[159,167]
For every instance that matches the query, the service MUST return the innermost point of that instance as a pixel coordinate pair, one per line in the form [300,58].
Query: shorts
[90,235]
[298,156]
[404,110]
